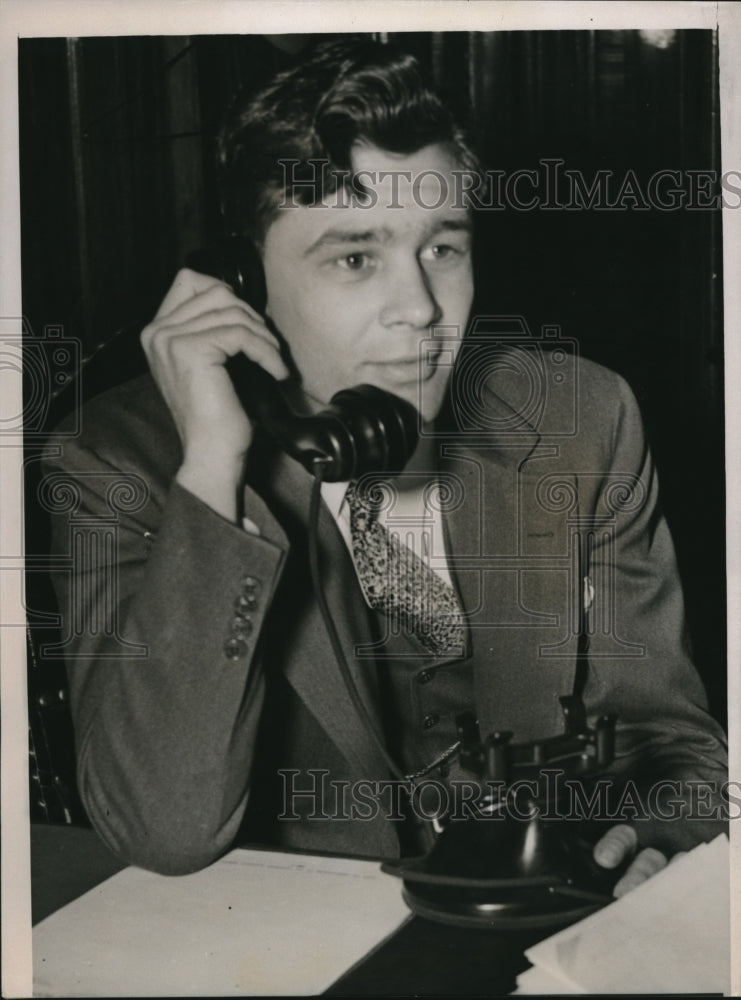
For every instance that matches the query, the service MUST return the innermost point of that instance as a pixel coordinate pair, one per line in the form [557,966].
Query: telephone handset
[364,429]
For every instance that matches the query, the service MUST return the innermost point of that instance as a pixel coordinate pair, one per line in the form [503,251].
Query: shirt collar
[333,495]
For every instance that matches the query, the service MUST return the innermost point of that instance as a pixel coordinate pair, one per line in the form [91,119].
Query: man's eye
[354,261]
[441,251]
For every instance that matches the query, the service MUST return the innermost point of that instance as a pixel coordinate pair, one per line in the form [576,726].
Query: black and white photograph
[369,480]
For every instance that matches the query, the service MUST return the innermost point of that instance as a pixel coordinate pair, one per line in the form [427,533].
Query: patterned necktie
[397,582]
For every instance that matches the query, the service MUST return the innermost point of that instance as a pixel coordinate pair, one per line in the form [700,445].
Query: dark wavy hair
[313,114]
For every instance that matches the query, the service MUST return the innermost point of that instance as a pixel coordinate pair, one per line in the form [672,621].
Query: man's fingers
[214,296]
[187,283]
[211,323]
[199,348]
[617,844]
[202,318]
[647,863]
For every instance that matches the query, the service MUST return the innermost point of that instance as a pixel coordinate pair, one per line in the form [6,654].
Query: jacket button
[242,626]
[234,649]
[251,585]
[424,677]
[245,602]
[430,720]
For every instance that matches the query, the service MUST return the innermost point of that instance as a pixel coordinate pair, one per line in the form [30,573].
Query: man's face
[355,288]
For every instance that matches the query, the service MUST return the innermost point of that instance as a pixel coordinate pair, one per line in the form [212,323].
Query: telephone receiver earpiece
[234,260]
[364,429]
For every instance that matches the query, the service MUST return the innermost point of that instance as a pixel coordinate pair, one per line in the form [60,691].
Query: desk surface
[422,958]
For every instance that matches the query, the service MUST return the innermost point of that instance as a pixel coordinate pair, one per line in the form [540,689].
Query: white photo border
[78,18]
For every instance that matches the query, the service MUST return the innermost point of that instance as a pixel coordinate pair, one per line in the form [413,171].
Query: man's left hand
[619,843]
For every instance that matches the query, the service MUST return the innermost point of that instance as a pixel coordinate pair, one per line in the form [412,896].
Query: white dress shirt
[416,523]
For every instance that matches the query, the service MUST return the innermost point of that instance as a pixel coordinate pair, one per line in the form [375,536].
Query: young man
[215,704]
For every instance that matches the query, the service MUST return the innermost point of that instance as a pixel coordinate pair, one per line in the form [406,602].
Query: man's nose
[409,299]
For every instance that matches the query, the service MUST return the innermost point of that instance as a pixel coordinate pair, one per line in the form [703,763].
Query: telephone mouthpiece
[379,432]
[364,429]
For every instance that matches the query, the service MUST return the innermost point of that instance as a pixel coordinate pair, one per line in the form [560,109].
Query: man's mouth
[404,371]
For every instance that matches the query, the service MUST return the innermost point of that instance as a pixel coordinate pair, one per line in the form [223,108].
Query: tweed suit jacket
[181,733]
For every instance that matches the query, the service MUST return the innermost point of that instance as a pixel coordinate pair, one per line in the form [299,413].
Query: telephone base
[521,911]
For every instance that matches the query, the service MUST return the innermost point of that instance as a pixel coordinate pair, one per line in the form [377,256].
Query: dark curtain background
[118,186]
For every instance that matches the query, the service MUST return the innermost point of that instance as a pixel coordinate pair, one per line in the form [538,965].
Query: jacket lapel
[508,586]
[313,670]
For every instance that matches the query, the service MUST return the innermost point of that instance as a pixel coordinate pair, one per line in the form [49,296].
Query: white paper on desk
[256,922]
[669,935]
[541,982]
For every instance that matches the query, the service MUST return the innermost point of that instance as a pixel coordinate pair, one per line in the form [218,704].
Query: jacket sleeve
[639,657]
[163,619]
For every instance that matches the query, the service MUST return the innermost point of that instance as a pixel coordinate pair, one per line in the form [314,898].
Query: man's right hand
[199,325]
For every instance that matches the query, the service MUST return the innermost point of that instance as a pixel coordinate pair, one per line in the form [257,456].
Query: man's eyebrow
[340,237]
[463,225]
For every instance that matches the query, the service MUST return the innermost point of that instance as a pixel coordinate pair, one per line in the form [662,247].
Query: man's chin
[427,403]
